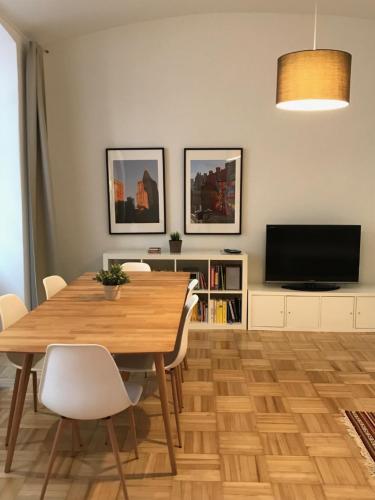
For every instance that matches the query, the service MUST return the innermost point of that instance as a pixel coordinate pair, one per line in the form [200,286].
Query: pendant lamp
[313,80]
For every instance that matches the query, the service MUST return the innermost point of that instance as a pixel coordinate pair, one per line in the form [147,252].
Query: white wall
[209,80]
[12,265]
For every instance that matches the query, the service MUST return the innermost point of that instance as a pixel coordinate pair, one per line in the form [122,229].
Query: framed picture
[136,192]
[213,183]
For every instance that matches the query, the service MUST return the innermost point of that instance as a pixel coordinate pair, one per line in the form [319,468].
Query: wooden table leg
[160,372]
[18,410]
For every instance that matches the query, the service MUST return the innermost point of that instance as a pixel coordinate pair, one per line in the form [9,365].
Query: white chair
[13,309]
[82,382]
[52,285]
[135,266]
[133,363]
[190,290]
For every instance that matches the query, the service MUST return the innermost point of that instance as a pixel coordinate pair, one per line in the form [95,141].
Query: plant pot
[112,292]
[175,246]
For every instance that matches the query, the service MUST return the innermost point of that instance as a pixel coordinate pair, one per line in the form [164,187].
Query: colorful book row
[200,312]
[224,311]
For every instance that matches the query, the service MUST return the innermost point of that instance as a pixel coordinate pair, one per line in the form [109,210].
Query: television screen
[312,253]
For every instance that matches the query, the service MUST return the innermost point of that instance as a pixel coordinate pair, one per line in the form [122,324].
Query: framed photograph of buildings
[136,192]
[213,183]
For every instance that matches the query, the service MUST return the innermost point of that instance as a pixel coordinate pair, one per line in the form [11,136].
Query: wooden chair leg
[133,429]
[76,437]
[52,456]
[115,449]
[186,366]
[77,432]
[12,405]
[176,406]
[181,373]
[35,389]
[179,389]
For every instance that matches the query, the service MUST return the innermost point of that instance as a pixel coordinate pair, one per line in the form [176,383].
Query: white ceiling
[50,20]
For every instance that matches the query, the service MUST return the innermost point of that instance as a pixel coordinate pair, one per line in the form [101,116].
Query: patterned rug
[361,426]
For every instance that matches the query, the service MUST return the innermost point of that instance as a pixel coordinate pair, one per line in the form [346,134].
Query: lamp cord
[315,23]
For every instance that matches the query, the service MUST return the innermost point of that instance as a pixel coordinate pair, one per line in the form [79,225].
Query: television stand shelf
[351,308]
[222,279]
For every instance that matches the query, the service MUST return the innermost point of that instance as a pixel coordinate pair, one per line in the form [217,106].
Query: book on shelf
[200,312]
[225,277]
[225,311]
[202,281]
[233,277]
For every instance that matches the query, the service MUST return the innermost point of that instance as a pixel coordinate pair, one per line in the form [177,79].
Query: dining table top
[145,318]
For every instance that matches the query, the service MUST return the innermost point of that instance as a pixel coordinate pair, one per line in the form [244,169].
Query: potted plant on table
[112,281]
[175,242]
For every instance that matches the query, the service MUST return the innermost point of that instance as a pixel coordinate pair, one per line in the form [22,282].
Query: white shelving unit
[349,309]
[191,262]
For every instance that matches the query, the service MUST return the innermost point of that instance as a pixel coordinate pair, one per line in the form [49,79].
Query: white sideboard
[202,262]
[349,309]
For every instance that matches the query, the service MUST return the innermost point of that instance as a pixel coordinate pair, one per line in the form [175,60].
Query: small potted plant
[112,281]
[175,242]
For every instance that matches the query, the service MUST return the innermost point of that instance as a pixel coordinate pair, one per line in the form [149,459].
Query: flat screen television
[312,257]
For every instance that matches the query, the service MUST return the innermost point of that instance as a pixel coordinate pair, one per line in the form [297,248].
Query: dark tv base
[311,287]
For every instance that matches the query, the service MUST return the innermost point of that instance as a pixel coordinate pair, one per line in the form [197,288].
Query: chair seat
[135,362]
[142,362]
[134,391]
[17,358]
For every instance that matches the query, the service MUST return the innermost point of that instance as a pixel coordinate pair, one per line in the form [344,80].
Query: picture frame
[136,190]
[212,190]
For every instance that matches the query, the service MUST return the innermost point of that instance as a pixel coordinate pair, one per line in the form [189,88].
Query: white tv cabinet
[194,261]
[349,309]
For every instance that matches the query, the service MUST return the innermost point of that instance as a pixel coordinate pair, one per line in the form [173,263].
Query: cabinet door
[302,313]
[365,315]
[337,313]
[267,311]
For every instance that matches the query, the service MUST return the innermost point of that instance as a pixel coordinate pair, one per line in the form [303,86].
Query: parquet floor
[261,421]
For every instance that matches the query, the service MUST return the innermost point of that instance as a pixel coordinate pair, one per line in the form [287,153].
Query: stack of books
[154,250]
[225,311]
[200,312]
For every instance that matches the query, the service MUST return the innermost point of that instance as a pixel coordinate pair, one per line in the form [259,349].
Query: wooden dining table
[145,319]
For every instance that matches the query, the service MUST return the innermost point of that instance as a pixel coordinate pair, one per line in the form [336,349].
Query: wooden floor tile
[276,422]
[247,491]
[243,422]
[298,491]
[292,470]
[326,445]
[275,443]
[233,404]
[340,471]
[239,468]
[270,404]
[198,421]
[348,492]
[307,405]
[243,443]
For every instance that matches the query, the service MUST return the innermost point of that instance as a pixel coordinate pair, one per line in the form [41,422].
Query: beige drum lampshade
[311,80]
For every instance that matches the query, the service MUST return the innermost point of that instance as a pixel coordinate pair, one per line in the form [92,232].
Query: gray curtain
[41,222]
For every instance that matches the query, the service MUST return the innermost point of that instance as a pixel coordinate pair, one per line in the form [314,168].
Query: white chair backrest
[11,310]
[82,382]
[52,285]
[176,357]
[190,289]
[135,266]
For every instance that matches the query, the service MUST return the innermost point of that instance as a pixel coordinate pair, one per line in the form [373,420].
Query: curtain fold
[41,220]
